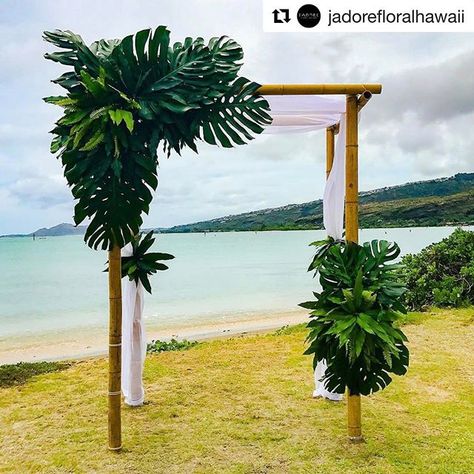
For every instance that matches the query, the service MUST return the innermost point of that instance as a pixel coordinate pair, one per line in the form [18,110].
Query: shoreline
[88,343]
[158,232]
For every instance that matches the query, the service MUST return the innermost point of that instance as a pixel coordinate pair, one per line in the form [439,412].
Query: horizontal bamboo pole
[318,89]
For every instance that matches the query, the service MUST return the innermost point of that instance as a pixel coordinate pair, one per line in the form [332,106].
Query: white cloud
[416,129]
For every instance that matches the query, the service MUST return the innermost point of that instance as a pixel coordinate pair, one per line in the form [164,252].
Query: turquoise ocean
[57,284]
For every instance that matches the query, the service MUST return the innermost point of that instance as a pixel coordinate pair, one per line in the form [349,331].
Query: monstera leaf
[125,98]
[354,322]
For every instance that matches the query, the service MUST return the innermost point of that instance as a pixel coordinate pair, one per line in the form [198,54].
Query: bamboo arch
[357,96]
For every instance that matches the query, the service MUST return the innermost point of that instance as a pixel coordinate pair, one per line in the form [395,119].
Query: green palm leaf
[354,318]
[124,98]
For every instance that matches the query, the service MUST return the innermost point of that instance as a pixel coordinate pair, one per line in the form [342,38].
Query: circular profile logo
[309,16]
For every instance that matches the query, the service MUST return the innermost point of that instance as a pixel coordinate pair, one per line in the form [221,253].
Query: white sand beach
[83,343]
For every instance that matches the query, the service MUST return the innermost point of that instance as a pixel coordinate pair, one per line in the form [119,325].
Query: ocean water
[56,283]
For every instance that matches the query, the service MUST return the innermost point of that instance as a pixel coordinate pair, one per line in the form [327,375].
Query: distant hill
[60,229]
[55,231]
[437,202]
[443,201]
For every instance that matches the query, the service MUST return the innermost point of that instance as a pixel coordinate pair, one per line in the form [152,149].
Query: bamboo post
[352,234]
[329,149]
[115,349]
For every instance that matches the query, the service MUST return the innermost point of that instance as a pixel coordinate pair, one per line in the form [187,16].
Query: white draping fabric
[133,339]
[306,113]
[291,114]
[334,191]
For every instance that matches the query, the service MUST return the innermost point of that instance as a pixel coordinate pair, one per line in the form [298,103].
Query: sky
[419,128]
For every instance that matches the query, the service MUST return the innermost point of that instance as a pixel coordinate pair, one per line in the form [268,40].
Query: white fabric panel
[133,339]
[334,192]
[333,218]
[291,114]
[303,113]
[320,390]
[306,113]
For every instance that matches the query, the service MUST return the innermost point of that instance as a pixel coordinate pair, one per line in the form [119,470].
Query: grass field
[244,406]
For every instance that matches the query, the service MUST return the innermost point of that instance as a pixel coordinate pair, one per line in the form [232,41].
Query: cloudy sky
[419,128]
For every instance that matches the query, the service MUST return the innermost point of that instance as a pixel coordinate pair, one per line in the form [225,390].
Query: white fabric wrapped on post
[334,192]
[133,338]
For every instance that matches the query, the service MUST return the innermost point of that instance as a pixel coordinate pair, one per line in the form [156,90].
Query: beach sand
[92,342]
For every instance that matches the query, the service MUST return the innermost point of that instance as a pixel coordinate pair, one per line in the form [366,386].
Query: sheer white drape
[301,113]
[133,339]
[304,113]
[291,114]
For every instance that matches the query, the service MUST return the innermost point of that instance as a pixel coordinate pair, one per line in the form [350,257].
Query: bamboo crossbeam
[318,89]
[115,349]
[352,234]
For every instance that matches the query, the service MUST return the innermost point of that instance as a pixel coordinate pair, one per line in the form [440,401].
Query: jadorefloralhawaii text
[384,16]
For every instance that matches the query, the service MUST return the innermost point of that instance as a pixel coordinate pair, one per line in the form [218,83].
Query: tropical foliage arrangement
[354,319]
[142,264]
[125,98]
[442,274]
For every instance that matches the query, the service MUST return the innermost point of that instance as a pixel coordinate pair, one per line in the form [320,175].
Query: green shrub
[355,318]
[173,345]
[442,274]
[17,374]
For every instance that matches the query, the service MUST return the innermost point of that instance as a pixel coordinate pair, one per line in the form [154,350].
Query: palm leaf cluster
[125,98]
[142,263]
[355,318]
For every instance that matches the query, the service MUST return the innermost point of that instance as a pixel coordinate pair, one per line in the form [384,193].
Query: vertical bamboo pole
[329,149]
[352,234]
[115,349]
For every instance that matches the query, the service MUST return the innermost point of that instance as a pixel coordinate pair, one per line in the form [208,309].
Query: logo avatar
[309,16]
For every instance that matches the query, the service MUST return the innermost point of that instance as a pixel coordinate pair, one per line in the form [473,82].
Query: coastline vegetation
[155,347]
[18,374]
[442,274]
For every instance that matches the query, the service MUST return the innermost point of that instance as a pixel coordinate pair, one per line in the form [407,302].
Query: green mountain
[437,202]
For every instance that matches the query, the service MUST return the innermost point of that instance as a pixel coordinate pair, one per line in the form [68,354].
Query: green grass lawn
[244,406]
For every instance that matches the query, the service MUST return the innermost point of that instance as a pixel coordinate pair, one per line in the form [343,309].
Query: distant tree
[442,274]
